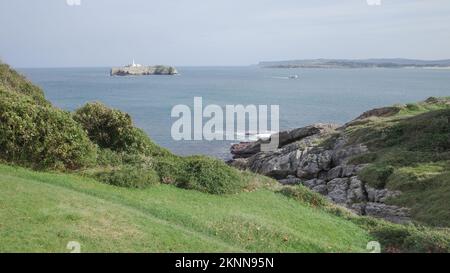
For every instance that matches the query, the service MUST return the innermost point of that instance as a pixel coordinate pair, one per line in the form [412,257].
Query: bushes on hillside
[41,136]
[33,133]
[211,176]
[12,81]
[114,129]
[405,238]
[170,169]
[200,173]
[303,194]
[129,176]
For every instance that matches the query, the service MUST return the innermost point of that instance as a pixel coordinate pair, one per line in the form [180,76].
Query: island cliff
[136,69]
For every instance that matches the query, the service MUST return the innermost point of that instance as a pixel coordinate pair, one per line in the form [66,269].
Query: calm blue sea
[318,95]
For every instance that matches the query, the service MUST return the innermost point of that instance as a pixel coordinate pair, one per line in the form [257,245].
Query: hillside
[391,162]
[91,176]
[43,212]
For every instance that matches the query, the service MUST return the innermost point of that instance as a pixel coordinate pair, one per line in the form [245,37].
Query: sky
[54,33]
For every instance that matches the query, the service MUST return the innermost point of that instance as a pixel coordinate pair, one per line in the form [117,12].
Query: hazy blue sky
[47,33]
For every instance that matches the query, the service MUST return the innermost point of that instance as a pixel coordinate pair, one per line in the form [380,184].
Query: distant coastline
[358,63]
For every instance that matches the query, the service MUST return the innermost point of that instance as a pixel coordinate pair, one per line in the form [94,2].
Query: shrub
[398,238]
[304,195]
[12,81]
[107,157]
[376,175]
[41,136]
[211,176]
[170,169]
[113,129]
[109,128]
[129,176]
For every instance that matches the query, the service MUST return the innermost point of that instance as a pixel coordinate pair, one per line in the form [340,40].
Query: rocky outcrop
[143,70]
[317,157]
[247,149]
[380,112]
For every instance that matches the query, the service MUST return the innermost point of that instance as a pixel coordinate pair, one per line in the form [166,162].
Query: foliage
[405,238]
[41,136]
[410,152]
[211,176]
[113,129]
[305,195]
[129,176]
[12,81]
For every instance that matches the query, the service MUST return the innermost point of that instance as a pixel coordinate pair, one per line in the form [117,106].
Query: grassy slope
[42,212]
[411,153]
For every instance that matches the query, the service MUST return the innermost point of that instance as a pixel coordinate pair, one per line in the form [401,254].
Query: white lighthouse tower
[134,64]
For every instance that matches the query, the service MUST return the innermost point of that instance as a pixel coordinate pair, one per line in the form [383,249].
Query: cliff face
[387,163]
[143,70]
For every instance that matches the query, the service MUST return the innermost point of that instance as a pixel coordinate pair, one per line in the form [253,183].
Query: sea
[317,95]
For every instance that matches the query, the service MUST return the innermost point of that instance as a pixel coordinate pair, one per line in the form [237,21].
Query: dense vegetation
[225,209]
[410,152]
[40,136]
[12,81]
[96,141]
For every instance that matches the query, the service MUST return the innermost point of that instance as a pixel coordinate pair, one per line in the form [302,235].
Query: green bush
[109,128]
[398,238]
[170,169]
[129,176]
[108,157]
[305,195]
[376,175]
[41,136]
[12,81]
[114,129]
[211,176]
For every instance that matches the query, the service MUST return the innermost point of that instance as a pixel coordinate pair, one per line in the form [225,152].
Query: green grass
[41,212]
[410,152]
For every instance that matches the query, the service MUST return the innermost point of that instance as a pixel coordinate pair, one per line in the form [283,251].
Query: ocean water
[318,95]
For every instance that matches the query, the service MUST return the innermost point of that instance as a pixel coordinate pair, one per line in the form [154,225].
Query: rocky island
[138,69]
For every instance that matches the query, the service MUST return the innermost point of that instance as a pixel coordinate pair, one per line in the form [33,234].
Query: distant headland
[357,63]
[138,69]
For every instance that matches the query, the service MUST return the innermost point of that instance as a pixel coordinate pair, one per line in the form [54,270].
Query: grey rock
[337,190]
[290,180]
[341,155]
[355,192]
[334,173]
[348,170]
[322,189]
[313,183]
[316,185]
[392,213]
[312,164]
[323,169]
[245,149]
[380,195]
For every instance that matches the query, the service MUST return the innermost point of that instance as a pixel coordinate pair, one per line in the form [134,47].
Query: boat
[293,77]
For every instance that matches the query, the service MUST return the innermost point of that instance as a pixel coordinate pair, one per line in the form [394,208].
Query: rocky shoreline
[317,156]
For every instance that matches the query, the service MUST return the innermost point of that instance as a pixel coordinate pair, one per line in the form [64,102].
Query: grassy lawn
[42,212]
